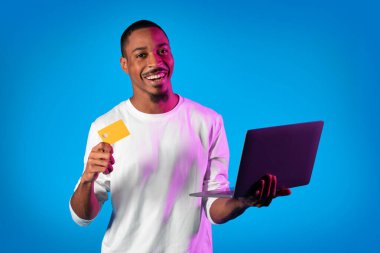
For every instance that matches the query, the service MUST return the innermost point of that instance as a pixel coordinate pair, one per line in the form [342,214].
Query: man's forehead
[147,37]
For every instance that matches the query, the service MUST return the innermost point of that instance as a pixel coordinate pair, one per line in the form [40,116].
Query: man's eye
[142,55]
[163,51]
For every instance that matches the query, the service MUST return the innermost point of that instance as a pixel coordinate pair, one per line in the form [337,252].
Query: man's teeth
[152,77]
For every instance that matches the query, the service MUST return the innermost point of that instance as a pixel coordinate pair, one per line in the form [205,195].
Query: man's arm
[223,210]
[84,201]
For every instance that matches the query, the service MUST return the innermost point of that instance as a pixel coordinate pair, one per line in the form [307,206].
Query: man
[175,147]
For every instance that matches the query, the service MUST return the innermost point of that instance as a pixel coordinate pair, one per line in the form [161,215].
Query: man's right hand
[100,160]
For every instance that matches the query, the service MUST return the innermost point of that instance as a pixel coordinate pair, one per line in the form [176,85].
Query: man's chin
[159,97]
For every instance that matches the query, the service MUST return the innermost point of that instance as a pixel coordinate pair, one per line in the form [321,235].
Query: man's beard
[161,97]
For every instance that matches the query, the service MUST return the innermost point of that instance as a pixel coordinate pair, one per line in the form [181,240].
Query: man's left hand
[263,191]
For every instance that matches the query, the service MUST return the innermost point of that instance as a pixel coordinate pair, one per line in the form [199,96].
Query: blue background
[258,63]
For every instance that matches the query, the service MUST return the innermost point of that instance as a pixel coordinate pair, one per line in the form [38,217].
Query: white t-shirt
[164,159]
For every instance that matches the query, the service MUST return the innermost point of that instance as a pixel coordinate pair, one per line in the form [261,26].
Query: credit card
[114,132]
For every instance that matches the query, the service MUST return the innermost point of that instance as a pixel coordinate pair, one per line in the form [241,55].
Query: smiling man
[175,147]
[148,61]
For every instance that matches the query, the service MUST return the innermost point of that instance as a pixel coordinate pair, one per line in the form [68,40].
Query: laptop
[286,151]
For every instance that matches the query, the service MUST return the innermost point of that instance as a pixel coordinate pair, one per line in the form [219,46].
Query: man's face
[149,62]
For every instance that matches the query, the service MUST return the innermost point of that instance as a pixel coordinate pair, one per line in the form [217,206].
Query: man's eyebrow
[144,48]
[163,44]
[139,48]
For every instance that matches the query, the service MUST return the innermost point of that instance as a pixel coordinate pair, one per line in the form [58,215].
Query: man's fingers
[103,147]
[100,155]
[260,190]
[273,189]
[268,185]
[107,148]
[98,162]
[99,146]
[109,169]
[96,168]
[264,191]
[103,157]
[283,192]
[101,166]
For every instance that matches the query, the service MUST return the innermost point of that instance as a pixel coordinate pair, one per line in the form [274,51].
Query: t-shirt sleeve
[216,177]
[102,183]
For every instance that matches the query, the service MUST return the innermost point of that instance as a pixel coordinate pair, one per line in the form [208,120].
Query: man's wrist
[238,204]
[243,204]
[85,183]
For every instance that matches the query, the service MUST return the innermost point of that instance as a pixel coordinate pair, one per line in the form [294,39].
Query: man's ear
[124,65]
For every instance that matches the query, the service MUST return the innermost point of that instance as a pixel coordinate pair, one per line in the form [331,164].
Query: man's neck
[155,106]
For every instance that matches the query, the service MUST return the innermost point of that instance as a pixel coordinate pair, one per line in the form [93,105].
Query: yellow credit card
[114,132]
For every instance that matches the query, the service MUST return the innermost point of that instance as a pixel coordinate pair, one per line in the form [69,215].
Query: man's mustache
[155,70]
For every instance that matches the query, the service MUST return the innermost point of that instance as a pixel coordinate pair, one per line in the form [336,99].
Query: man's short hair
[133,27]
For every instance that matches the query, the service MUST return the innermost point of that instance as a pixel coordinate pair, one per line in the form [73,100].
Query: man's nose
[153,60]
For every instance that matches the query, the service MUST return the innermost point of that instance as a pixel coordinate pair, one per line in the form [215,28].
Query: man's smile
[156,75]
